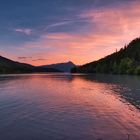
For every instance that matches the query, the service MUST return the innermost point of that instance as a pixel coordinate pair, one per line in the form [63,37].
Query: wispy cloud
[39,59]
[57,24]
[24,31]
[23,57]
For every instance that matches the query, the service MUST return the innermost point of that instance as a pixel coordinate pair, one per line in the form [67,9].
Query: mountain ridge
[64,66]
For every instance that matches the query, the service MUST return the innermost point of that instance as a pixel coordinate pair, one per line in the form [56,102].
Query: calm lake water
[69,107]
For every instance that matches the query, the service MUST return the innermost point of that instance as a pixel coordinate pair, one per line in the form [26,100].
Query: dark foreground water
[69,107]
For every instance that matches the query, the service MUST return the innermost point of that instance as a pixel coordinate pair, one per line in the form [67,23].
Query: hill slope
[126,61]
[64,67]
[9,66]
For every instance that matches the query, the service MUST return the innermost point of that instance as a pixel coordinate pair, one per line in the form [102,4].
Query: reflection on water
[69,107]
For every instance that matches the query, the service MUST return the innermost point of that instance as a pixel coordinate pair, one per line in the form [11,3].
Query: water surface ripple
[69,107]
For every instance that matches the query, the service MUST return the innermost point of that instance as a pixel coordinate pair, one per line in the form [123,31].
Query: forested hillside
[125,61]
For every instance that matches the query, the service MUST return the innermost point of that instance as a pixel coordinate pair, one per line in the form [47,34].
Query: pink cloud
[59,47]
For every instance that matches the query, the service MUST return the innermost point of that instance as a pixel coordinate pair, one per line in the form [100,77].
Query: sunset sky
[50,31]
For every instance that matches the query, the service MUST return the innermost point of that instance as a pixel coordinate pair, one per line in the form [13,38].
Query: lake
[69,107]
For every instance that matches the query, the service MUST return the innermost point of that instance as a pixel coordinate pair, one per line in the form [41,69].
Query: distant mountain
[125,61]
[64,67]
[9,66]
